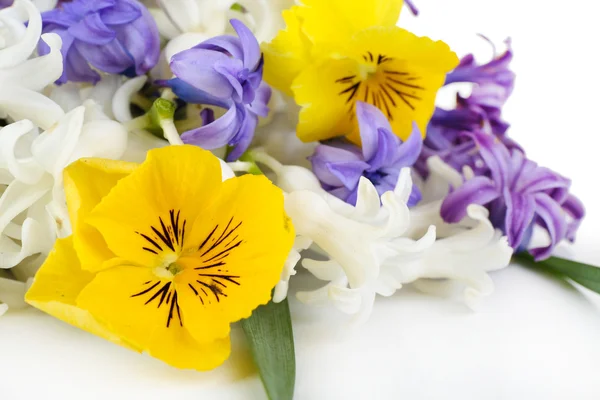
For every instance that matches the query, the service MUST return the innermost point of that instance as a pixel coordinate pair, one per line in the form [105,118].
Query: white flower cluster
[46,128]
[380,244]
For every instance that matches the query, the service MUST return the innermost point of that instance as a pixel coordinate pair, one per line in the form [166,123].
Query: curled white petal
[345,240]
[122,98]
[17,198]
[165,26]
[441,178]
[184,42]
[35,240]
[289,268]
[23,168]
[103,139]
[54,147]
[37,73]
[328,270]
[185,14]
[368,203]
[18,52]
[20,103]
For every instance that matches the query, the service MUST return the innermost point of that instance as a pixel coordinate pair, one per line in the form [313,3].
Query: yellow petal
[391,68]
[146,217]
[56,287]
[86,182]
[287,54]
[240,260]
[335,21]
[407,81]
[323,96]
[178,348]
[137,305]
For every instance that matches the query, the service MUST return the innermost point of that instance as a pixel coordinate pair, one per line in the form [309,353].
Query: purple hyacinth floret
[113,36]
[226,72]
[519,194]
[481,111]
[339,165]
[495,72]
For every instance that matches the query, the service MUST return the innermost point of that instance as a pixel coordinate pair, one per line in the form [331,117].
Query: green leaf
[271,340]
[584,274]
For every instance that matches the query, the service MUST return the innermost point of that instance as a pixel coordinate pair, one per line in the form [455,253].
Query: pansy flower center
[200,268]
[384,82]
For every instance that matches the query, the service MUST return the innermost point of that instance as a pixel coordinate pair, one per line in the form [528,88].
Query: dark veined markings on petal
[161,294]
[387,90]
[213,276]
[168,233]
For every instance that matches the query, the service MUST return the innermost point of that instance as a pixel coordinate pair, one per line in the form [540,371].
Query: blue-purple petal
[496,157]
[388,146]
[216,134]
[111,57]
[478,190]
[114,36]
[77,69]
[250,46]
[226,44]
[576,211]
[370,119]
[190,94]
[123,12]
[325,156]
[260,105]
[196,67]
[520,210]
[243,138]
[552,218]
[91,29]
[409,151]
[142,40]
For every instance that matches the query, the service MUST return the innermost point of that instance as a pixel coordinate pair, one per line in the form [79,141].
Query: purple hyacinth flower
[518,194]
[113,36]
[339,165]
[481,111]
[496,72]
[226,72]
[235,128]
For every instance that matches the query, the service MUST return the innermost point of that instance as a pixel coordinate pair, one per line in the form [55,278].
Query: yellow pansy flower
[336,52]
[164,256]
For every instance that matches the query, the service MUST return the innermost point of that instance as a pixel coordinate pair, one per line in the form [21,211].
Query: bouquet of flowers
[167,167]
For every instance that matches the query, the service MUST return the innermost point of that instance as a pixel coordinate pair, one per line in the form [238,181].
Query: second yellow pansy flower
[334,53]
[164,256]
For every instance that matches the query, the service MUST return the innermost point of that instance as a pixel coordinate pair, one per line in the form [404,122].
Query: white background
[534,338]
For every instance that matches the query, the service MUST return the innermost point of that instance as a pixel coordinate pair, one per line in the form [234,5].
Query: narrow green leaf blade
[584,274]
[271,339]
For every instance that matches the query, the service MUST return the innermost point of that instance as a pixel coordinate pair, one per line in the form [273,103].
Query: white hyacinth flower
[32,204]
[22,78]
[374,248]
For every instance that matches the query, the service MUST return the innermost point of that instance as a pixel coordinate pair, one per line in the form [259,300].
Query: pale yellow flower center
[383,82]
